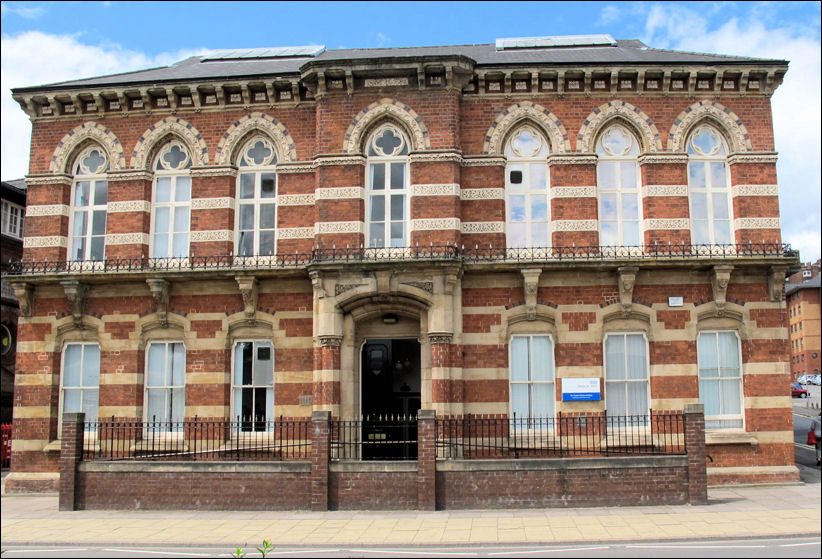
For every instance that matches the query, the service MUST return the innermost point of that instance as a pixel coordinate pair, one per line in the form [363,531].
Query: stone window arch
[361,127]
[709,189]
[630,116]
[89,203]
[618,187]
[234,139]
[387,185]
[541,118]
[256,220]
[144,155]
[528,219]
[721,117]
[75,140]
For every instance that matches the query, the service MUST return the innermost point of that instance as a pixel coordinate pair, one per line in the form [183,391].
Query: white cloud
[35,58]
[608,15]
[382,39]
[27,13]
[795,104]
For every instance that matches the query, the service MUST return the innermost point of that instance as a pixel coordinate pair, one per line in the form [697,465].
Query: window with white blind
[89,203]
[532,376]
[719,356]
[171,205]
[253,384]
[165,385]
[708,190]
[387,186]
[626,377]
[80,380]
[618,188]
[256,221]
[528,218]
[12,219]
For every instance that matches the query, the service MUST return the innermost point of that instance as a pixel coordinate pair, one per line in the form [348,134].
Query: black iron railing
[389,437]
[249,439]
[471,436]
[465,254]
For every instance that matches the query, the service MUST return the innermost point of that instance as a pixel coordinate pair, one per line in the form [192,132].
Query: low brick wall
[372,486]
[188,486]
[568,482]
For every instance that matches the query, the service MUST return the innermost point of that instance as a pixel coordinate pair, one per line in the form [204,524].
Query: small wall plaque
[675,301]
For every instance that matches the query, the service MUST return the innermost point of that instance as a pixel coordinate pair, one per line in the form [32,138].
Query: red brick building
[264,232]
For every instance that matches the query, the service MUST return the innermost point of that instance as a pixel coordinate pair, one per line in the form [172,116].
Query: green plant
[266,548]
[239,553]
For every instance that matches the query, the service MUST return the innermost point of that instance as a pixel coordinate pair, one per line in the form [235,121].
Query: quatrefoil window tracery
[387,141]
[92,161]
[617,142]
[526,143]
[706,141]
[257,152]
[173,157]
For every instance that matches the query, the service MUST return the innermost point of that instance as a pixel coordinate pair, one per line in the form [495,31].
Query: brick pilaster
[695,447]
[320,447]
[71,450]
[426,460]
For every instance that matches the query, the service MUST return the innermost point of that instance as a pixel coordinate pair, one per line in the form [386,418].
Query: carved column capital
[720,278]
[530,280]
[76,293]
[159,291]
[25,297]
[249,290]
[329,341]
[440,337]
[626,282]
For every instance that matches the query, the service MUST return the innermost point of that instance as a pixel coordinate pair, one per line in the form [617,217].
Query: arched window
[708,187]
[387,185]
[256,221]
[526,189]
[171,207]
[89,199]
[618,188]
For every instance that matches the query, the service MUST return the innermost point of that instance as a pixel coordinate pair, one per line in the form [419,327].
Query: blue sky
[45,42]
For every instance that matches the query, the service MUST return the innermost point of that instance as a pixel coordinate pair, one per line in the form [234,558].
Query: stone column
[695,447]
[426,460]
[320,449]
[71,453]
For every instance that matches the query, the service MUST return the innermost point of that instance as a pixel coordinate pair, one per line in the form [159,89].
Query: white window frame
[13,216]
[267,167]
[724,417]
[83,175]
[166,388]
[525,162]
[619,189]
[82,388]
[626,380]
[269,421]
[164,171]
[710,190]
[529,383]
[388,192]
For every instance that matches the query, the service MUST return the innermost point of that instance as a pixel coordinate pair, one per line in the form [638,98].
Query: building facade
[263,233]
[804,327]
[11,249]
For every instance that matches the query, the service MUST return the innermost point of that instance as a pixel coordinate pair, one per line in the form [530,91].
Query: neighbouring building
[475,229]
[13,196]
[804,300]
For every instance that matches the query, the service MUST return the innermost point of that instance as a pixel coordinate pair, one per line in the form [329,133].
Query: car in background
[797,391]
[815,379]
[804,379]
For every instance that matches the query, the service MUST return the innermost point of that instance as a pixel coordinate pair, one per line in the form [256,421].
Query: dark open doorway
[390,398]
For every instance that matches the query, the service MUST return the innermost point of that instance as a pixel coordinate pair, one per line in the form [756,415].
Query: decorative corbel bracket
[25,297]
[627,280]
[720,278]
[776,283]
[249,290]
[530,280]
[76,293]
[317,284]
[159,290]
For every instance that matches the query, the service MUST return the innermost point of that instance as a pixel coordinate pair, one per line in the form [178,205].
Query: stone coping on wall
[195,467]
[524,464]
[392,466]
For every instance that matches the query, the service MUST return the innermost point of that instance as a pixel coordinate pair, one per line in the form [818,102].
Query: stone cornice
[572,159]
[663,158]
[215,171]
[37,180]
[483,161]
[753,157]
[436,156]
[338,159]
[129,175]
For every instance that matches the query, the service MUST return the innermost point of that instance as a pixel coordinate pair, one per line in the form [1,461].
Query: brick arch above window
[514,115]
[234,137]
[615,111]
[67,148]
[391,109]
[141,156]
[720,116]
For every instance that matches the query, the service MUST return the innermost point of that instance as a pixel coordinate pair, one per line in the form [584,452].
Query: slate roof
[627,52]
[815,282]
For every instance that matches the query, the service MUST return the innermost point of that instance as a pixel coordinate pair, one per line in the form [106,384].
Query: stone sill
[722,438]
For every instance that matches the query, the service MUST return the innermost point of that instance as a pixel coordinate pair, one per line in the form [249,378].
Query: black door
[390,399]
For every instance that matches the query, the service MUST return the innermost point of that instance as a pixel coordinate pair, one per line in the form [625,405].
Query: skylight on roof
[559,41]
[268,52]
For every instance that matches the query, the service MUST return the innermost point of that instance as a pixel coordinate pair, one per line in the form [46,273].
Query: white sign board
[580,389]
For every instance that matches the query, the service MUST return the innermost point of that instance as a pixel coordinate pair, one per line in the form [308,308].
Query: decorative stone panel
[341,193]
[573,192]
[129,206]
[575,225]
[482,194]
[435,224]
[756,223]
[754,190]
[225,203]
[127,239]
[667,224]
[482,227]
[45,242]
[666,190]
[47,210]
[449,189]
[210,236]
